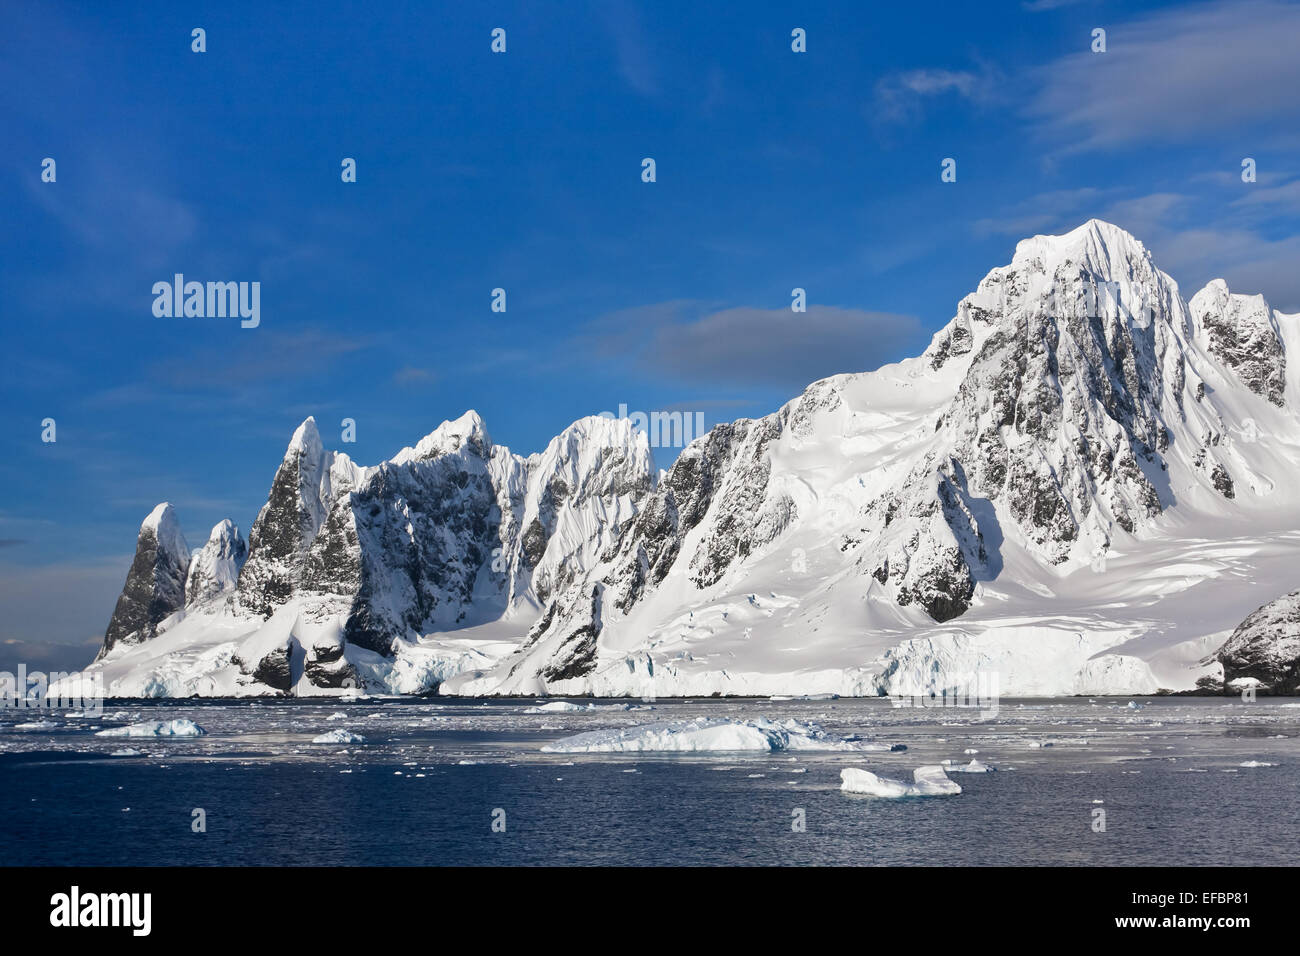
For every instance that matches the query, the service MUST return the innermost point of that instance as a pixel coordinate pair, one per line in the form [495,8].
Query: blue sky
[523,171]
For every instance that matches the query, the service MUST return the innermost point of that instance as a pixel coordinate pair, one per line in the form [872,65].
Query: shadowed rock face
[275,668]
[1266,646]
[1243,334]
[408,545]
[304,487]
[155,585]
[452,528]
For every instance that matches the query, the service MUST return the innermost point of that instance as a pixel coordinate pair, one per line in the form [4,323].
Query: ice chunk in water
[929,781]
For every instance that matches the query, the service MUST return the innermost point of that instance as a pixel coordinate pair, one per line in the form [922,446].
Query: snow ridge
[882,532]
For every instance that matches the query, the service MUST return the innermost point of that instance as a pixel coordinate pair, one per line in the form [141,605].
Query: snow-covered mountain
[1081,485]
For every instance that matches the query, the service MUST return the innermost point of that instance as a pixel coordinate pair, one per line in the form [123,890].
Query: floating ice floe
[712,734]
[182,727]
[36,725]
[928,781]
[559,706]
[565,707]
[1256,763]
[339,736]
[973,767]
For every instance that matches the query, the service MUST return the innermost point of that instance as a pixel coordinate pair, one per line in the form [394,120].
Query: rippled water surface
[1180,781]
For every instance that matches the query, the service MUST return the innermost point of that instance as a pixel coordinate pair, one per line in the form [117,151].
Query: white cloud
[755,347]
[1190,74]
[901,96]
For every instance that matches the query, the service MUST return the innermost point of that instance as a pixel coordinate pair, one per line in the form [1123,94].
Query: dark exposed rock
[1266,647]
[304,487]
[1243,334]
[576,654]
[275,668]
[155,585]
[1222,481]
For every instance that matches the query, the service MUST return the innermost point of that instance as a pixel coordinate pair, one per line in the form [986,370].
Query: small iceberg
[712,734]
[973,767]
[558,707]
[1256,763]
[339,736]
[928,781]
[156,728]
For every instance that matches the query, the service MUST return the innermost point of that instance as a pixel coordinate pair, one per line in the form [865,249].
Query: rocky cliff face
[1242,331]
[1265,648]
[457,530]
[305,487]
[155,585]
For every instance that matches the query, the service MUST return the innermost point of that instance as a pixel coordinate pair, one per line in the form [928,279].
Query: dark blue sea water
[1168,776]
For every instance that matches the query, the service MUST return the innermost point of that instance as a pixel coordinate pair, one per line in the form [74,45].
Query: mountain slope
[1075,487]
[155,585]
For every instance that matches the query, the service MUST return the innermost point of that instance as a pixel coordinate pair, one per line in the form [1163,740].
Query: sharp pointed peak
[1093,239]
[225,528]
[163,513]
[165,527]
[468,429]
[306,438]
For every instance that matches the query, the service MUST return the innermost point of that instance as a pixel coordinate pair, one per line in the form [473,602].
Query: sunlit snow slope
[1083,485]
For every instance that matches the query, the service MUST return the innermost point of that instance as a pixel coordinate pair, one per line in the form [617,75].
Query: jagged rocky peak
[1242,332]
[1069,363]
[1101,247]
[1067,405]
[580,492]
[468,431]
[215,567]
[303,490]
[596,456]
[1264,650]
[155,585]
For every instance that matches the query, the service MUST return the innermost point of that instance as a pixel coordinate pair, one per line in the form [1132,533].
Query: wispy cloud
[267,355]
[752,347]
[902,96]
[1272,200]
[1039,6]
[1177,76]
[632,50]
[410,375]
